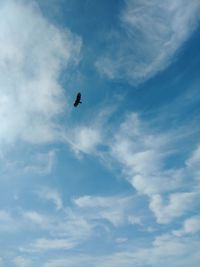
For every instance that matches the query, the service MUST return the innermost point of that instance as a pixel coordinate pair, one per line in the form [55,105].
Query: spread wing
[77,101]
[78,97]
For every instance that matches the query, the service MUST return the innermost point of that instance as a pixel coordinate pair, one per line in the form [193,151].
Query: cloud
[7,222]
[80,260]
[190,226]
[193,163]
[117,210]
[178,204]
[43,244]
[74,226]
[195,158]
[56,232]
[20,162]
[41,163]
[144,155]
[34,52]
[5,216]
[78,224]
[150,36]
[52,195]
[107,208]
[88,137]
[22,262]
[59,230]
[36,218]
[84,139]
[165,250]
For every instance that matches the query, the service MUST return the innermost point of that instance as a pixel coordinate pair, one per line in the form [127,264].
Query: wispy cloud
[7,222]
[22,262]
[88,136]
[84,139]
[190,226]
[150,36]
[36,218]
[75,225]
[44,244]
[165,250]
[172,191]
[33,54]
[117,210]
[58,230]
[177,205]
[145,155]
[41,163]
[83,260]
[142,153]
[34,163]
[51,195]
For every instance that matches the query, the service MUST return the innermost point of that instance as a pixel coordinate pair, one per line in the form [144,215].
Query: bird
[77,101]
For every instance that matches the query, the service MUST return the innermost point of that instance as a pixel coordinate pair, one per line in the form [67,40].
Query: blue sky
[116,181]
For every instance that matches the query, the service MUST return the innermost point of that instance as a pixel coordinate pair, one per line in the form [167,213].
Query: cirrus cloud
[151,34]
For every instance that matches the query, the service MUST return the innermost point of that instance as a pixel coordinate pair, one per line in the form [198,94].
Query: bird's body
[78,100]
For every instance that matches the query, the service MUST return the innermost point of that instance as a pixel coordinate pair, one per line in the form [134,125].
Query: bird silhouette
[77,101]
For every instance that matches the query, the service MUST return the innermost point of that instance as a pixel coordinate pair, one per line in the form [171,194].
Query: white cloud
[193,163]
[7,222]
[121,240]
[36,218]
[195,158]
[190,226]
[5,216]
[102,202]
[144,156]
[85,139]
[80,260]
[62,230]
[52,195]
[178,204]
[43,244]
[135,220]
[33,54]
[166,250]
[41,163]
[90,137]
[22,262]
[116,209]
[151,34]
[26,163]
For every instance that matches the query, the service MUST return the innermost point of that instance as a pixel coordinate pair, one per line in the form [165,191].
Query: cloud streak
[165,250]
[172,191]
[51,195]
[151,34]
[117,210]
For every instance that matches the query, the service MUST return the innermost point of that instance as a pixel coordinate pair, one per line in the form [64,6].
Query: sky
[116,181]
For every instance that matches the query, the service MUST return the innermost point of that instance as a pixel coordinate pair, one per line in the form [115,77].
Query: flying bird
[77,101]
